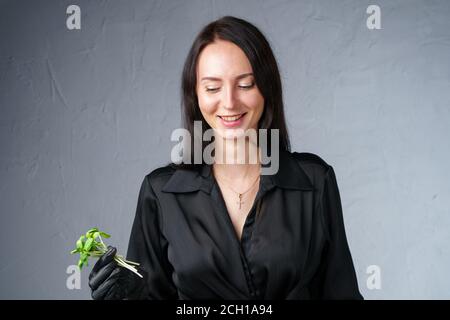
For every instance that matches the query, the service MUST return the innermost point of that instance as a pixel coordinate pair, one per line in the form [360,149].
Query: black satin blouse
[293,243]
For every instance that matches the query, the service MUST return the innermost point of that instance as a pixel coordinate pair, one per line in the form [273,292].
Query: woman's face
[227,93]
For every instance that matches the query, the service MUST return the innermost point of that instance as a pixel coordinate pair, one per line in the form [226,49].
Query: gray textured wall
[85,114]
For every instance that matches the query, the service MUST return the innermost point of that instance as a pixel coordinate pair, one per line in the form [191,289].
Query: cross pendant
[240,200]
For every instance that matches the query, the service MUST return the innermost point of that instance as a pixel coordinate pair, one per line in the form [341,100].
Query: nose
[229,99]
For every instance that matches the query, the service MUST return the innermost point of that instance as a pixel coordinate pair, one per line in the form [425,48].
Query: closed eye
[247,87]
[242,87]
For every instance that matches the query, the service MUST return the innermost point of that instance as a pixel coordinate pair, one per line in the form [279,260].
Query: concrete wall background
[85,114]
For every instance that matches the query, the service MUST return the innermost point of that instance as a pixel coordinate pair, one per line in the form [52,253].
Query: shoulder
[162,171]
[182,175]
[160,175]
[314,166]
[311,161]
[309,158]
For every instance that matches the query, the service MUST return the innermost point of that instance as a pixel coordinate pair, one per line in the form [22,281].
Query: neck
[236,161]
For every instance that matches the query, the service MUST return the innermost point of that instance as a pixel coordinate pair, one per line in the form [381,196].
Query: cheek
[207,104]
[208,110]
[255,103]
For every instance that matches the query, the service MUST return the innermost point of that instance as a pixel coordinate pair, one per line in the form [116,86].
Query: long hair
[265,69]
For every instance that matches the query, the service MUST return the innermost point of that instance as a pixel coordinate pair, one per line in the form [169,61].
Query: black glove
[109,281]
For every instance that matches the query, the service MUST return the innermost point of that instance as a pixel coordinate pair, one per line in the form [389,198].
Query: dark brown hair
[265,69]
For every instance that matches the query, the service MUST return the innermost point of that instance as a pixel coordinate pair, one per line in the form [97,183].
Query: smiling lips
[233,117]
[232,121]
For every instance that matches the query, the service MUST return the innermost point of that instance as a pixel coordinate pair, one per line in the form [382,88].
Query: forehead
[222,59]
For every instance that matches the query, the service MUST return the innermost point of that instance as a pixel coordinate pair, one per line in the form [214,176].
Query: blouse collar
[290,175]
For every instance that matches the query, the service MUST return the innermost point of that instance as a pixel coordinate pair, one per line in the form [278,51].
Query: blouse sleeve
[148,247]
[335,278]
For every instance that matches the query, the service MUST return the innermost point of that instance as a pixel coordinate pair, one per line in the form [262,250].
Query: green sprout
[88,246]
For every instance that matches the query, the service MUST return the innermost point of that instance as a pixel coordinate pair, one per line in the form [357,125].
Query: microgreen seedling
[88,246]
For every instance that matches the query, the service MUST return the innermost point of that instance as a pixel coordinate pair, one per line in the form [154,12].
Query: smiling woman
[224,230]
[231,100]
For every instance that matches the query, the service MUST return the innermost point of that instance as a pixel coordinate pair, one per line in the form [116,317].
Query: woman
[224,230]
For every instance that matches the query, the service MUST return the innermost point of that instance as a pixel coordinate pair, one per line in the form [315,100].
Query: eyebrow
[237,78]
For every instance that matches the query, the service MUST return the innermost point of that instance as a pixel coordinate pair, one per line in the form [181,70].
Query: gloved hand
[109,281]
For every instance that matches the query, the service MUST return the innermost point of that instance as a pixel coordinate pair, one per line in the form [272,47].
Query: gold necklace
[240,194]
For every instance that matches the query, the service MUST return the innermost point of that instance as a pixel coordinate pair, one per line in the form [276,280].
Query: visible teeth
[234,118]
